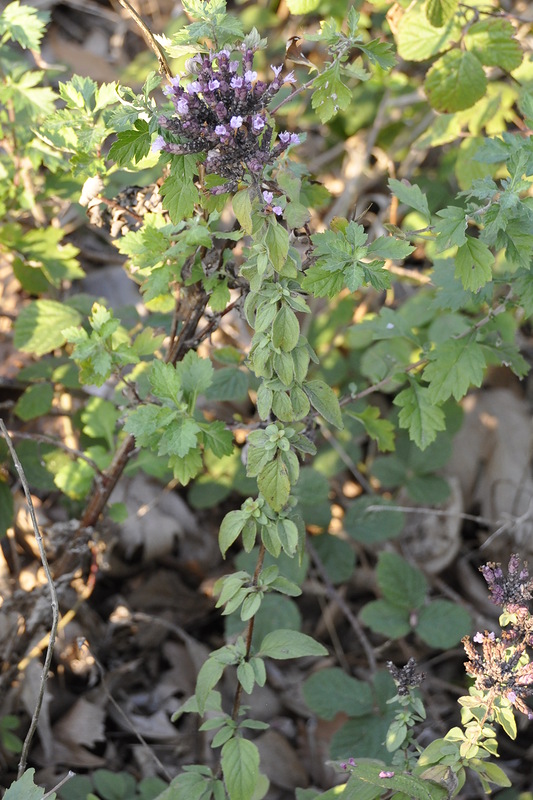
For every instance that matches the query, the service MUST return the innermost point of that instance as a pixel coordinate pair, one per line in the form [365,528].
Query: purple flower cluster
[512,592]
[222,112]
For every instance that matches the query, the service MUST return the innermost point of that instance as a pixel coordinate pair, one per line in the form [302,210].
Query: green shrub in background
[221,147]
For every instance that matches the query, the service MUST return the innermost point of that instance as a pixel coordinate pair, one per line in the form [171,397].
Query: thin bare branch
[53,601]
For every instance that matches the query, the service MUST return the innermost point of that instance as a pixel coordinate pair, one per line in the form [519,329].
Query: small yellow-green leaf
[242,208]
[439,12]
[285,329]
[273,482]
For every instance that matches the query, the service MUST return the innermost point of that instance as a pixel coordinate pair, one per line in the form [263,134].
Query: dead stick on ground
[53,602]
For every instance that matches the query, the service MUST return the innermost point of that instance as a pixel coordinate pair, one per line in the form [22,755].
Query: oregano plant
[228,228]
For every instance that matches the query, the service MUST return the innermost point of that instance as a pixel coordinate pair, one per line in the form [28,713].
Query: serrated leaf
[401,584]
[282,644]
[411,195]
[419,414]
[179,438]
[443,624]
[330,95]
[179,191]
[331,690]
[240,765]
[165,382]
[451,231]
[195,374]
[455,82]
[325,401]
[473,264]
[418,39]
[491,40]
[370,527]
[186,467]
[274,484]
[217,438]
[439,12]
[336,555]
[228,383]
[39,326]
[321,282]
[24,24]
[381,430]
[455,366]
[389,247]
[25,789]
[131,145]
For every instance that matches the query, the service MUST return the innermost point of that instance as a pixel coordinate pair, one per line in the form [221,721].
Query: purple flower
[351,762]
[511,696]
[267,196]
[233,66]
[236,122]
[182,106]
[213,84]
[278,211]
[237,82]
[158,144]
[295,139]
[258,123]
[221,130]
[386,774]
[168,90]
[276,70]
[285,137]
[478,638]
[290,78]
[194,87]
[250,75]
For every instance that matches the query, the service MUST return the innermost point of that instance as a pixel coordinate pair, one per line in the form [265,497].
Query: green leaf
[285,329]
[302,6]
[24,25]
[325,401]
[331,690]
[320,282]
[228,383]
[418,39]
[455,366]
[180,436]
[330,94]
[131,145]
[179,191]
[386,618]
[195,374]
[165,381]
[6,508]
[439,12]
[35,401]
[39,326]
[336,555]
[25,789]
[186,467]
[452,228]
[242,208]
[240,765]
[411,195]
[381,430]
[491,40]
[274,484]
[100,419]
[217,438]
[455,82]
[401,584]
[473,264]
[231,527]
[443,624]
[282,644]
[390,248]
[370,527]
[277,243]
[208,677]
[419,414]
[408,785]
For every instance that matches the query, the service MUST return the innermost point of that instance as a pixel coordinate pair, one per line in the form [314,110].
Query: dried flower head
[223,113]
[407,677]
